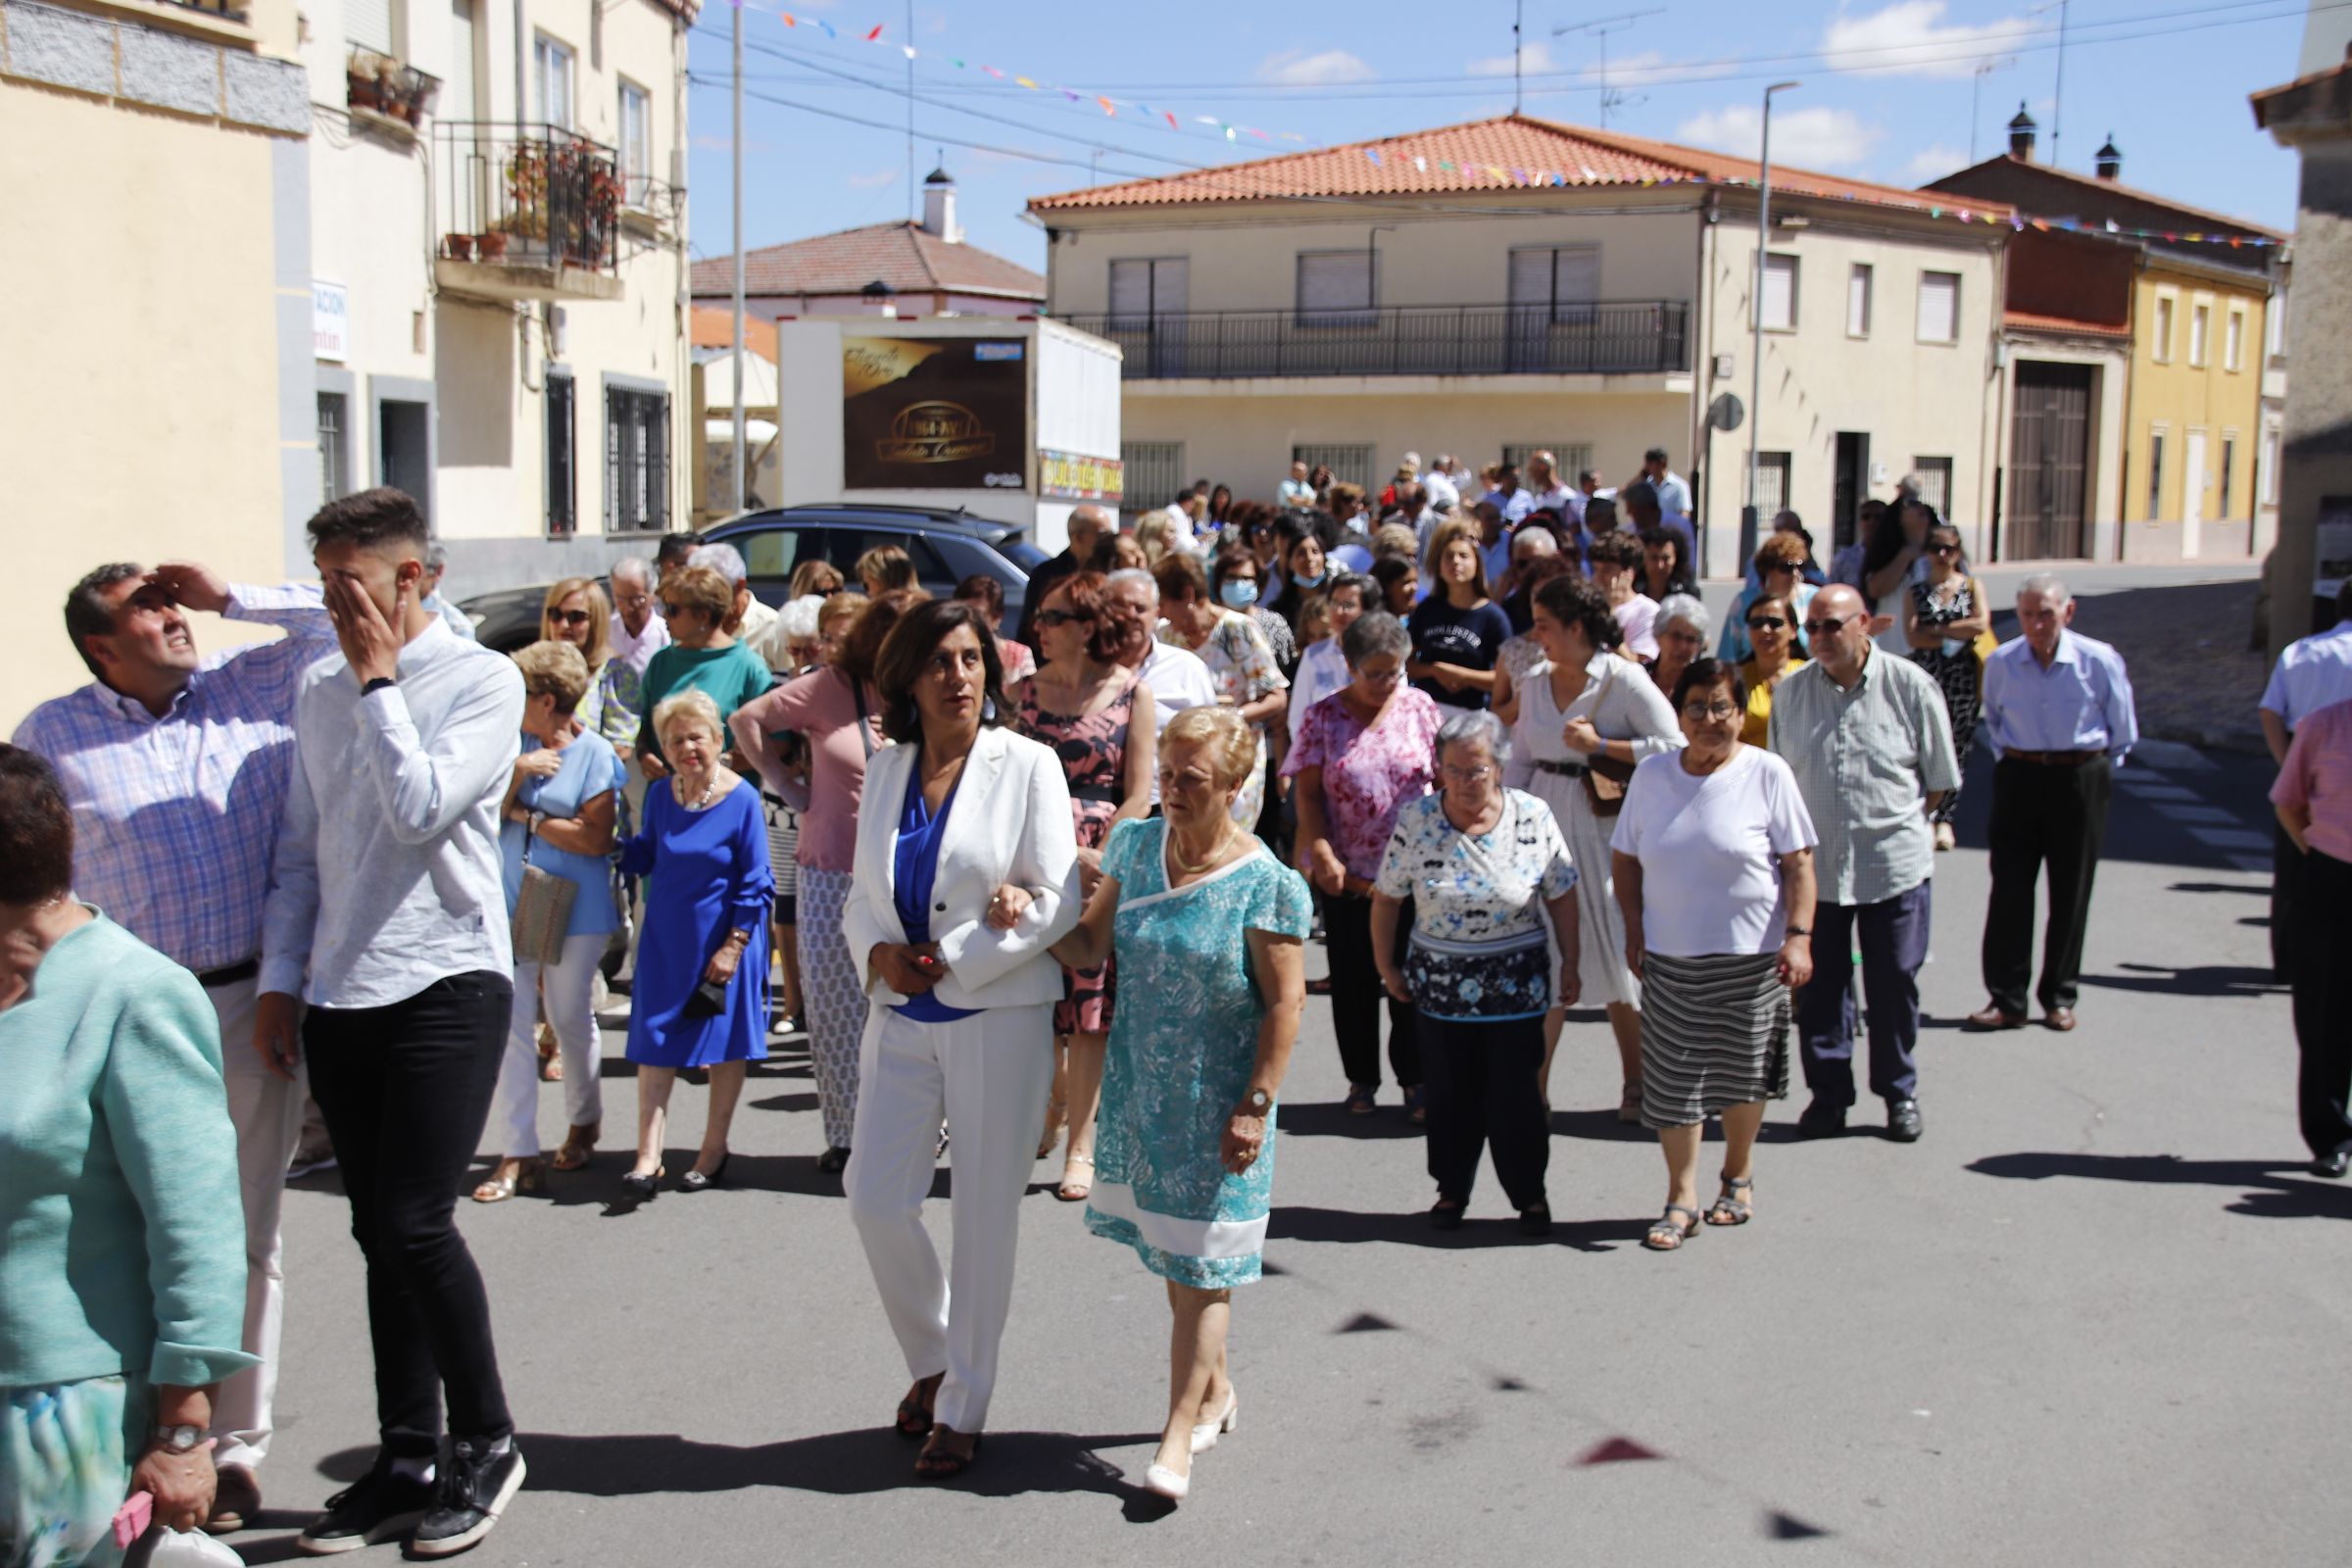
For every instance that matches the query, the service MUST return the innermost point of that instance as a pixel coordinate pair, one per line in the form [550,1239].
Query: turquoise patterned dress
[1178,1064]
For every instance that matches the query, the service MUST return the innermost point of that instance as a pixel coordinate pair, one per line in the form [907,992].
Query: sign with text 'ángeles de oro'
[933,414]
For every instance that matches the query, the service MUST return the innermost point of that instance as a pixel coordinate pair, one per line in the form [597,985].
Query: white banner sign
[331,321]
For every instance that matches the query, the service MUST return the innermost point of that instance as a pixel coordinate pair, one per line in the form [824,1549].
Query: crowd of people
[1478,732]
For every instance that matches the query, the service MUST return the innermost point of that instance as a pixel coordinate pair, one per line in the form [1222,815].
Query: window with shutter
[1772,483]
[1153,472]
[637,143]
[636,460]
[1779,293]
[1939,307]
[562,466]
[1334,288]
[1146,288]
[1935,483]
[369,24]
[1857,300]
[555,82]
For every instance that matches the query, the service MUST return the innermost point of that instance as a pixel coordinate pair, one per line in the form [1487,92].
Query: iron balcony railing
[528,195]
[1605,337]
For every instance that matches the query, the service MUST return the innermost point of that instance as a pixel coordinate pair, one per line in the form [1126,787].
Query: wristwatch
[1258,1102]
[1799,931]
[178,1440]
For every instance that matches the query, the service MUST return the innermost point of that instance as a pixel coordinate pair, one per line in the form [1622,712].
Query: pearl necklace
[710,790]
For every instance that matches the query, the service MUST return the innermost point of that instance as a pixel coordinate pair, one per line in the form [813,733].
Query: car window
[774,552]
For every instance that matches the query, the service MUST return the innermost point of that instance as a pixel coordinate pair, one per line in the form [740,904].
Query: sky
[1891,90]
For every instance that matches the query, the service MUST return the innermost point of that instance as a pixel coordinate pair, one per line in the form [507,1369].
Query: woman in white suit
[962,819]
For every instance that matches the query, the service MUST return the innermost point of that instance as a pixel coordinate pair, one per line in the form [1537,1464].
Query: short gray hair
[632,568]
[1373,634]
[798,618]
[1132,574]
[1539,542]
[436,558]
[725,560]
[2049,585]
[1688,610]
[1473,726]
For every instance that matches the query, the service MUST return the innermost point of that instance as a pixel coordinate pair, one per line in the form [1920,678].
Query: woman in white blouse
[1586,704]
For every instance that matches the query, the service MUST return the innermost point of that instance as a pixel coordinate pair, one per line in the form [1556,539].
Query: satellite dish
[1726,412]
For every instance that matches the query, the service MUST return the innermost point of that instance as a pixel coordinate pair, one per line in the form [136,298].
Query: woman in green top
[123,1283]
[701,656]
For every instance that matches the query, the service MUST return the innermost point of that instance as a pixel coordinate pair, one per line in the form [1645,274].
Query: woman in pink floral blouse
[1361,754]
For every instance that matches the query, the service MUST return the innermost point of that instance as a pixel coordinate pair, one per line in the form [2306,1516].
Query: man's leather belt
[230,974]
[1563,770]
[2053,758]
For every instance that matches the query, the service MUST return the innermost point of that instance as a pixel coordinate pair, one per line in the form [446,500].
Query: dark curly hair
[907,653]
[36,830]
[1573,601]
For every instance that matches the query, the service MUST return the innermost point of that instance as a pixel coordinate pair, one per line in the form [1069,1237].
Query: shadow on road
[1330,1119]
[2205,980]
[2276,1195]
[1296,1224]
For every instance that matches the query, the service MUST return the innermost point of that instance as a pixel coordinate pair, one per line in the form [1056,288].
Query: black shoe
[1536,1221]
[2332,1167]
[1818,1120]
[694,1181]
[1445,1216]
[1902,1121]
[475,1488]
[381,1505]
[833,1161]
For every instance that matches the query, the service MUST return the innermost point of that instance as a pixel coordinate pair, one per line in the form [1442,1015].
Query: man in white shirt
[637,633]
[1438,484]
[387,913]
[2313,672]
[1176,675]
[436,567]
[1295,491]
[1674,491]
[1511,502]
[1548,493]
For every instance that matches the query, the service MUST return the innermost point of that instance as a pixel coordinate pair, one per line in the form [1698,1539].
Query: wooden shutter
[1780,292]
[1939,307]
[369,24]
[1335,285]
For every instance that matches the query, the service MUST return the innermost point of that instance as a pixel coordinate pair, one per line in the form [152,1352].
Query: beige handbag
[542,910]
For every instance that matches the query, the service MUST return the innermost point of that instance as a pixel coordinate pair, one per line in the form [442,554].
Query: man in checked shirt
[175,766]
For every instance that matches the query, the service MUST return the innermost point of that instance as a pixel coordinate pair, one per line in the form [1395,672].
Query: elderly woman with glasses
[1679,630]
[1484,867]
[1713,857]
[1364,754]
[1944,616]
[701,655]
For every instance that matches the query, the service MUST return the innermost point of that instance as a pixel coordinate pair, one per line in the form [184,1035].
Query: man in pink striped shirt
[2314,801]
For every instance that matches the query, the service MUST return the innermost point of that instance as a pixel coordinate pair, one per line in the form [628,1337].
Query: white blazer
[1009,822]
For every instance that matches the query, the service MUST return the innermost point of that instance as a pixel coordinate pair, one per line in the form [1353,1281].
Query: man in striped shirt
[176,767]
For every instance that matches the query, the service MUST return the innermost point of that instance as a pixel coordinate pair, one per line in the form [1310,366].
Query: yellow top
[1759,699]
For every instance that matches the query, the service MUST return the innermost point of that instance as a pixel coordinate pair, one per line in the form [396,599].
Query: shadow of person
[2206,980]
[1331,1119]
[2273,1193]
[1348,1226]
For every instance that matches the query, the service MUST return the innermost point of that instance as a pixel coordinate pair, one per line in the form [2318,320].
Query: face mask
[1239,593]
[1316,581]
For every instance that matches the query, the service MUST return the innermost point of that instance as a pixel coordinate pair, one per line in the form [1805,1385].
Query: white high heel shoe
[1163,1481]
[1206,1434]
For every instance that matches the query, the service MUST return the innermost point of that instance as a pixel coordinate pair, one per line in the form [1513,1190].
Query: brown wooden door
[2049,449]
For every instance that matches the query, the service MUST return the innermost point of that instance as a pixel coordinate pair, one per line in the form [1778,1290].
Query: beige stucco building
[156,167]
[1490,288]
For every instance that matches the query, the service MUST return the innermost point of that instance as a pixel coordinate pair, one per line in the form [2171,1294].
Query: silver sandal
[1738,1208]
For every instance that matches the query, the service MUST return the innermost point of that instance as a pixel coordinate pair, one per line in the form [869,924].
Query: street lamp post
[1748,522]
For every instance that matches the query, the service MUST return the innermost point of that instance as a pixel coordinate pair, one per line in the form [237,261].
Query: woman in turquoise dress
[1212,928]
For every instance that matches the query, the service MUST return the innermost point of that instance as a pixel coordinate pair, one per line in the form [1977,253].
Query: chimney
[939,208]
[2110,159]
[2021,134]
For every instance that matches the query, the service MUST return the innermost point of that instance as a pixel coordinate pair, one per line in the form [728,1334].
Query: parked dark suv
[946,548]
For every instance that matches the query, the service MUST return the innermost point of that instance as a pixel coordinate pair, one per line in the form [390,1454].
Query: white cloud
[1537,57]
[1809,138]
[1933,163]
[1911,38]
[1295,67]
[873,181]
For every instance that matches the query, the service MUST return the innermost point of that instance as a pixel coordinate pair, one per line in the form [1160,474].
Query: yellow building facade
[2193,428]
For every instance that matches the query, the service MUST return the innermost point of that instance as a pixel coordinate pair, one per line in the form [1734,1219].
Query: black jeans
[1482,1090]
[2057,816]
[405,1090]
[1356,994]
[1893,936]
[2286,881]
[2323,990]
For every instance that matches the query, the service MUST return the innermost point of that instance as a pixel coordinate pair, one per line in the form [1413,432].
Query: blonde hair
[1448,531]
[1232,744]
[1395,539]
[884,567]
[692,702]
[600,616]
[554,669]
[1151,538]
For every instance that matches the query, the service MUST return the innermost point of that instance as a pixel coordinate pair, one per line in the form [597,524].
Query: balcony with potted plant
[386,96]
[529,213]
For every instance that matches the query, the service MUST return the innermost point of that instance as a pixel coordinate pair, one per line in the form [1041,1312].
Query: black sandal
[945,1464]
[833,1161]
[1735,1210]
[915,1422]
[1668,1235]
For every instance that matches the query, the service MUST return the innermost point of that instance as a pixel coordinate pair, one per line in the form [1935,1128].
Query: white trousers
[569,985]
[988,1075]
[267,1112]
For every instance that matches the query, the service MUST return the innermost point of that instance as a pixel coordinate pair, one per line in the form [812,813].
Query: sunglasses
[1943,549]
[568,617]
[1064,617]
[1823,628]
[1765,623]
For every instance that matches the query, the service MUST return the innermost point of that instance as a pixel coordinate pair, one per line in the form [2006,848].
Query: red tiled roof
[709,328]
[901,254]
[2035,322]
[1513,150]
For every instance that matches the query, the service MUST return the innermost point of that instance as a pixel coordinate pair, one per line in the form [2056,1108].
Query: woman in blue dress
[704,853]
[1209,926]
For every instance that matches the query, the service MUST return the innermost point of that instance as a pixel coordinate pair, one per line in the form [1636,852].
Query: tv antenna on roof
[1600,28]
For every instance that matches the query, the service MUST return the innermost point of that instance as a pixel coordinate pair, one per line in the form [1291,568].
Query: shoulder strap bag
[1606,778]
[543,908]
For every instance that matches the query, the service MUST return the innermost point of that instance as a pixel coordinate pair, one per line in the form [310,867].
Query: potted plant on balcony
[526,191]
[458,247]
[491,247]
[360,78]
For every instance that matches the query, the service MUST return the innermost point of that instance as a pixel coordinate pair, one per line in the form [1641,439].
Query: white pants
[568,984]
[988,1074]
[267,1112]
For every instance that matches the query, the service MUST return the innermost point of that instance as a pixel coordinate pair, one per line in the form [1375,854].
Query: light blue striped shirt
[2081,703]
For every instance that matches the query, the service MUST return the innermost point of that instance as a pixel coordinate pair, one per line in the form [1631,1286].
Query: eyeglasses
[634,601]
[1766,623]
[1700,712]
[1468,775]
[1064,617]
[1823,628]
[1378,677]
[568,617]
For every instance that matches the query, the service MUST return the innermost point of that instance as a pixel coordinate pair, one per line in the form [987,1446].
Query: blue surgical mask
[1239,593]
[1307,584]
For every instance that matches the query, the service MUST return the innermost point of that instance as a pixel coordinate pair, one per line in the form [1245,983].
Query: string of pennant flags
[1144,113]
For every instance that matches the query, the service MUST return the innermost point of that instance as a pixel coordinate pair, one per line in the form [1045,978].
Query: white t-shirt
[1710,849]
[1178,681]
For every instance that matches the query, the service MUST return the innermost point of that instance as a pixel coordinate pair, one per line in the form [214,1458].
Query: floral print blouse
[1370,773]
[1478,952]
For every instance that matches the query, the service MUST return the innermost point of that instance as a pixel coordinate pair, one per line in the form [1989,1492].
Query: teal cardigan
[122,1234]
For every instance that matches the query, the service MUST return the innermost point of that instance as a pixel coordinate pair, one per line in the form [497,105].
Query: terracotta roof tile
[901,254]
[1513,150]
[2035,322]
[710,329]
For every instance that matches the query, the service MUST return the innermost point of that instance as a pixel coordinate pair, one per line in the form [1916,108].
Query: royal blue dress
[707,875]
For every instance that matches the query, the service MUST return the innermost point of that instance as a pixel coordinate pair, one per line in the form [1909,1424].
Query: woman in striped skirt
[1713,857]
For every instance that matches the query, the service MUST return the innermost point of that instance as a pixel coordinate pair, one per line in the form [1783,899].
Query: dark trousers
[2322,991]
[1482,1090]
[2286,880]
[1893,936]
[1356,994]
[405,1090]
[2042,815]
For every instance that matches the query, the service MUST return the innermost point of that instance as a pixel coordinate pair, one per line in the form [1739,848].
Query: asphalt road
[2097,1316]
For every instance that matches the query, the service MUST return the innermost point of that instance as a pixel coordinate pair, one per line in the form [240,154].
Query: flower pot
[492,246]
[364,94]
[458,247]
[412,111]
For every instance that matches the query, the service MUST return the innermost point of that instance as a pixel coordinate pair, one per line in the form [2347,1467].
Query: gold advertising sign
[933,414]
[1068,477]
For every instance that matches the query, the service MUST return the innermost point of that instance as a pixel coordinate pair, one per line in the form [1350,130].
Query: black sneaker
[475,1488]
[381,1505]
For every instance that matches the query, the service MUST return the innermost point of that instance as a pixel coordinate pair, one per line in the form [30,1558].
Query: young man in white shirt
[1674,491]
[387,914]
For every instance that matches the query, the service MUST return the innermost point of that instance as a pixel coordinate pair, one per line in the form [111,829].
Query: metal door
[2048,461]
